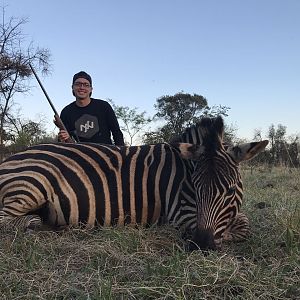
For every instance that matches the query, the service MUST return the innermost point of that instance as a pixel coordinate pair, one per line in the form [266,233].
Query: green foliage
[282,150]
[277,140]
[132,122]
[26,133]
[179,112]
[14,68]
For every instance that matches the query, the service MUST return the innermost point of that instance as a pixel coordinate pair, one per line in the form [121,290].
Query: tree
[293,152]
[24,133]
[15,57]
[179,112]
[271,136]
[230,137]
[257,135]
[279,146]
[132,122]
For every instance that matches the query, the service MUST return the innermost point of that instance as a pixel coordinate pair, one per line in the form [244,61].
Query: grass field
[152,264]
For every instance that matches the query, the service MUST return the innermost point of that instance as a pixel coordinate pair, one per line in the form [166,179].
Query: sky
[243,54]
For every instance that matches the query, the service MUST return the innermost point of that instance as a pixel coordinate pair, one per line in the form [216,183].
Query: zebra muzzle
[202,239]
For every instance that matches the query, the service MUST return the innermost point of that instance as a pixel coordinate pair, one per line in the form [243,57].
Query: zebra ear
[246,151]
[189,151]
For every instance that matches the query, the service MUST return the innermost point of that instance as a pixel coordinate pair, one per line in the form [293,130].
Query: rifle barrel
[61,124]
[43,89]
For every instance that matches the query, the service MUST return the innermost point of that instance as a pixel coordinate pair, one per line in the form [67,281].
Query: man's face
[82,88]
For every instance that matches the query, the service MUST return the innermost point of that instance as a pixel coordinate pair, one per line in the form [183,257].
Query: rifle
[58,122]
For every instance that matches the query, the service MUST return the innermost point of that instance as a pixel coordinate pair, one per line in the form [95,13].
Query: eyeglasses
[82,84]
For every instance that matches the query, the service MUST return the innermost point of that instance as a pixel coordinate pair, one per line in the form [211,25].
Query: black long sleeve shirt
[93,123]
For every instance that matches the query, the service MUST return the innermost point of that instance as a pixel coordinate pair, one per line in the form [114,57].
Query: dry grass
[152,264]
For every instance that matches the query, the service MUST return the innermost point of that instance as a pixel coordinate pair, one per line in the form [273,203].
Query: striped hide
[193,185]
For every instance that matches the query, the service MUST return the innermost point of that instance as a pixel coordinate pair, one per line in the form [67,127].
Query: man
[88,119]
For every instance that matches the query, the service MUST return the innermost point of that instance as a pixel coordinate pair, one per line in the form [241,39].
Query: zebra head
[218,186]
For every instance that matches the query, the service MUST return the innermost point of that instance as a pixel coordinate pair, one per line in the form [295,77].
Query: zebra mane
[208,132]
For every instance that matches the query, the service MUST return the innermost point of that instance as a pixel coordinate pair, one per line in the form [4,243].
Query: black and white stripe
[95,184]
[218,184]
[194,185]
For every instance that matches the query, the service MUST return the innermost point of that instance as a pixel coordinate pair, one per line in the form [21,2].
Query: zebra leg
[27,222]
[238,229]
[11,223]
[15,214]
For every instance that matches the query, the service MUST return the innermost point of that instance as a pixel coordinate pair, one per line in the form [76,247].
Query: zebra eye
[231,190]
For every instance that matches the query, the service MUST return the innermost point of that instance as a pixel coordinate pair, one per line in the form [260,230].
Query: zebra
[236,226]
[193,186]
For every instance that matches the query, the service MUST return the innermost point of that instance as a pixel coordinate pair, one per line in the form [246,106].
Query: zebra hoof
[34,224]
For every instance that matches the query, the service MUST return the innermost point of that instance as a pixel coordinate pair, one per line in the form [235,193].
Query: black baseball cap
[84,75]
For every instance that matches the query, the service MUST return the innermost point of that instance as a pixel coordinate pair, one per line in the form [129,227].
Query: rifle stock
[58,122]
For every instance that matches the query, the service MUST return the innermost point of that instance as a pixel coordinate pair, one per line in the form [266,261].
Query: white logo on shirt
[88,125]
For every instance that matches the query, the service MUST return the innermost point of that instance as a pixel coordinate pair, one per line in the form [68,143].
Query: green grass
[152,264]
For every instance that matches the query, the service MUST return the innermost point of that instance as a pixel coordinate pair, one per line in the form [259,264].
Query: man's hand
[63,135]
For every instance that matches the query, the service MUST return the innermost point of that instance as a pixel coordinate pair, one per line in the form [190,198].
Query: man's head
[82,85]
[84,75]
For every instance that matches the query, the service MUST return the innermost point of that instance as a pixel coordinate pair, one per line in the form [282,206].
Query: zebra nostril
[218,243]
[203,239]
